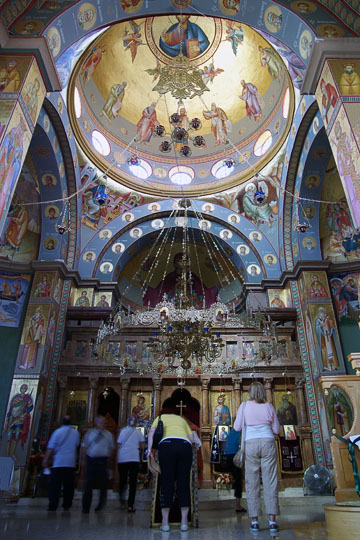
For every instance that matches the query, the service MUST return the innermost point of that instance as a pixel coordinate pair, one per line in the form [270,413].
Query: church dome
[227,87]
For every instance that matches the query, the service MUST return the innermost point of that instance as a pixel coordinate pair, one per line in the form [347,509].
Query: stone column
[268,390]
[123,401]
[331,75]
[93,384]
[300,402]
[237,393]
[61,400]
[205,418]
[157,396]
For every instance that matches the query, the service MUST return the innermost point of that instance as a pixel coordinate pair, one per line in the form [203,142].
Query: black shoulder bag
[158,434]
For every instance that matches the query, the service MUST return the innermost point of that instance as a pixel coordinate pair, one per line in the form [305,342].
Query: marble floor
[301,517]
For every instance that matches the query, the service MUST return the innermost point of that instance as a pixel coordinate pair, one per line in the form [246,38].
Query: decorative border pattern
[309,383]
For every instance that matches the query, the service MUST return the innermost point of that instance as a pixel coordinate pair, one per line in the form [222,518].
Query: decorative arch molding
[288,183]
[67,28]
[71,181]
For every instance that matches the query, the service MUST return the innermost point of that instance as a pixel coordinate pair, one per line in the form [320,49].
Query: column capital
[93,383]
[237,383]
[157,384]
[125,384]
[323,49]
[299,382]
[205,382]
[63,382]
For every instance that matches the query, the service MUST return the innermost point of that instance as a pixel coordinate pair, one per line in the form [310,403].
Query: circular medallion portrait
[86,16]
[270,259]
[29,28]
[255,236]
[242,249]
[303,7]
[105,234]
[204,225]
[305,44]
[157,224]
[312,181]
[273,18]
[54,40]
[89,256]
[229,7]
[118,248]
[48,180]
[51,212]
[128,217]
[131,6]
[225,234]
[309,211]
[234,219]
[50,243]
[309,243]
[154,207]
[208,208]
[106,268]
[253,270]
[136,232]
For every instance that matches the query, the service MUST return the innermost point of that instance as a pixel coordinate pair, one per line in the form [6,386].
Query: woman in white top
[130,442]
[260,424]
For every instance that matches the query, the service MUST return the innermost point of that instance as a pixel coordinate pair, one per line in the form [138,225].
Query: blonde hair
[257,392]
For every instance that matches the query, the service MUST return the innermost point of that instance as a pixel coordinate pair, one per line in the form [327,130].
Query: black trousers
[61,477]
[95,468]
[128,470]
[236,472]
[175,458]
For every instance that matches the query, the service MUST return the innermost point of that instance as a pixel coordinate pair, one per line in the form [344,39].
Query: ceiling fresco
[120,91]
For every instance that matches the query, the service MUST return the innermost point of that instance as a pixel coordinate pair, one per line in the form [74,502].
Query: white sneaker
[184,528]
[165,528]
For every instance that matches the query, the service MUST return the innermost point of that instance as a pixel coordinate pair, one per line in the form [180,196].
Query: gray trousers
[260,457]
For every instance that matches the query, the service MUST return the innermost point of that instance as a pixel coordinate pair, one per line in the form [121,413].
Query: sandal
[131,509]
[242,509]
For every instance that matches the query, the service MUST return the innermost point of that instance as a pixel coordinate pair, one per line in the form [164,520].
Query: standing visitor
[130,442]
[97,447]
[260,424]
[175,459]
[62,447]
[231,447]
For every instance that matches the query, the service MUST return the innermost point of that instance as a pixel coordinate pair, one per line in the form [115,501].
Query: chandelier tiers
[185,334]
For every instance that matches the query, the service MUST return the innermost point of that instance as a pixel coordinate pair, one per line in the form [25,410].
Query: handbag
[153,465]
[239,457]
[158,434]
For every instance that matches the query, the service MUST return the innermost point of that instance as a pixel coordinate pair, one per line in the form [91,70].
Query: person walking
[96,448]
[231,447]
[175,458]
[130,442]
[260,424]
[62,448]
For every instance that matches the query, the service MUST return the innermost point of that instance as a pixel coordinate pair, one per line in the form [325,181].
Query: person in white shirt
[130,442]
[62,446]
[96,448]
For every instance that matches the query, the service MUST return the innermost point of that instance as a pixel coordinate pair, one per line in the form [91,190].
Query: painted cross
[181,406]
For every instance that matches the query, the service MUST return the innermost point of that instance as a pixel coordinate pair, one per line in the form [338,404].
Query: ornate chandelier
[186,330]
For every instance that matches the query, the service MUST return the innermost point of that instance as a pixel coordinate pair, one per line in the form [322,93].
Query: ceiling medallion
[182,80]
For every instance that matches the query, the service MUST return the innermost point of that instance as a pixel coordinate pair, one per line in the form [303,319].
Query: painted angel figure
[132,40]
[235,35]
[209,73]
[269,59]
[154,72]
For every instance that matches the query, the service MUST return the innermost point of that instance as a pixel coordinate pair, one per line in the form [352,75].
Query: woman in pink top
[260,423]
